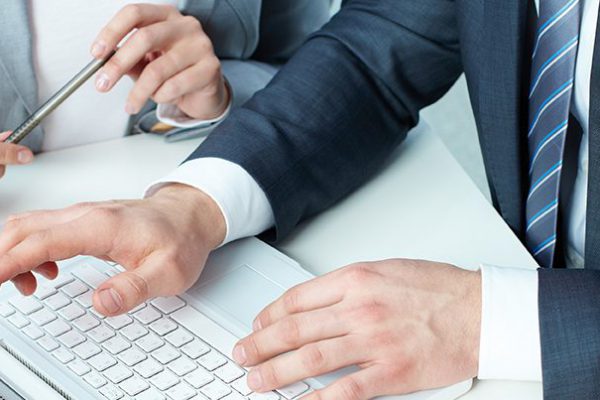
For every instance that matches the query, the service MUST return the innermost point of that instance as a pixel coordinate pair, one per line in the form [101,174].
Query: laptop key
[181,391]
[61,280]
[179,337]
[71,339]
[86,350]
[164,380]
[229,372]
[199,377]
[195,349]
[57,327]
[18,320]
[57,301]
[101,333]
[134,385]
[147,315]
[102,361]
[117,373]
[63,355]
[182,366]
[33,332]
[111,392]
[264,396]
[47,343]
[149,342]
[116,345]
[119,321]
[43,316]
[166,354]
[294,390]
[148,368]
[150,394]
[71,312]
[95,380]
[234,396]
[212,360]
[26,305]
[74,289]
[44,291]
[132,356]
[215,390]
[79,367]
[85,299]
[6,310]
[134,331]
[86,323]
[241,385]
[163,326]
[167,305]
[90,275]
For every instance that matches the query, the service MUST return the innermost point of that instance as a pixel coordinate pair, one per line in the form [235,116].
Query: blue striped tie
[552,75]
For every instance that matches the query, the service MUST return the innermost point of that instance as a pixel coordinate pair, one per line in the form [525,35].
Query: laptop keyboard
[153,352]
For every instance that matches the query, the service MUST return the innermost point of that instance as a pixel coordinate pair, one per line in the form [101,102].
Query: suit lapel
[16,61]
[592,246]
[501,105]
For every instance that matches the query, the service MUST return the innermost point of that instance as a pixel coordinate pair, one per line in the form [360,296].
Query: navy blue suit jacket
[334,113]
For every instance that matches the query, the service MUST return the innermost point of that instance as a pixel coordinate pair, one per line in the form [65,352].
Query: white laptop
[54,345]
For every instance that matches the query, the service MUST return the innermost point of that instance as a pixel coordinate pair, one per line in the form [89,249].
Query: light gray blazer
[246,34]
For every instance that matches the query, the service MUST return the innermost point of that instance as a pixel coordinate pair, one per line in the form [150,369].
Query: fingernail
[111,300]
[239,354]
[256,325]
[102,82]
[129,109]
[98,49]
[24,157]
[254,380]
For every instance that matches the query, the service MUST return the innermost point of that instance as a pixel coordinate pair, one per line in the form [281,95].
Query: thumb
[127,290]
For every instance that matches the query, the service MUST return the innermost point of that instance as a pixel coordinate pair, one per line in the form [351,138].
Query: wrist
[199,208]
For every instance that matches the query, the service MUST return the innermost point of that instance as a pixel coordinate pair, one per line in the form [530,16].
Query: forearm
[329,119]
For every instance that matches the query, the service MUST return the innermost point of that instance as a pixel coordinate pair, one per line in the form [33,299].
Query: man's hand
[408,325]
[12,154]
[163,242]
[169,56]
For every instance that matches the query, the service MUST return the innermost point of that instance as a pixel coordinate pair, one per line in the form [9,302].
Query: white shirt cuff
[170,114]
[244,204]
[510,334]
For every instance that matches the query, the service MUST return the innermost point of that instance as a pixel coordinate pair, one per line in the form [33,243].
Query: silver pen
[75,83]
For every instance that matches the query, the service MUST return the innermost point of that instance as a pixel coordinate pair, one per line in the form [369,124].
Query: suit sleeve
[286,24]
[569,314]
[336,111]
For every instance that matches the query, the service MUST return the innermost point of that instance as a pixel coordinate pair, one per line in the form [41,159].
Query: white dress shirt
[510,339]
[62,34]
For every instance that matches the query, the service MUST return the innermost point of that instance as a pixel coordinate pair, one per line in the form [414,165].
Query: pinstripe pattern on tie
[552,75]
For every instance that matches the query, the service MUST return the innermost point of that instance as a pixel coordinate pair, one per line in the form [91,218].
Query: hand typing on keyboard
[162,241]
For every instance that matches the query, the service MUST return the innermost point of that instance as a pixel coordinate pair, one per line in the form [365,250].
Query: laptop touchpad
[241,293]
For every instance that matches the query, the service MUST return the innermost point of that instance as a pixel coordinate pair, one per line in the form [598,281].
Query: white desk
[422,205]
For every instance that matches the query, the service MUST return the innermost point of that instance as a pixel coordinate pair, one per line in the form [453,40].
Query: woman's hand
[12,154]
[169,56]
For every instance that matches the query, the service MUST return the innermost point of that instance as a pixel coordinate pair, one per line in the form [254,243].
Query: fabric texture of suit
[333,114]
[236,27]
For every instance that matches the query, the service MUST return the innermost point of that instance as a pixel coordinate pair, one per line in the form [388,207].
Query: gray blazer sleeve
[333,114]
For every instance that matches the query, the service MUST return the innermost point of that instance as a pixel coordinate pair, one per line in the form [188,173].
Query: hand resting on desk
[408,325]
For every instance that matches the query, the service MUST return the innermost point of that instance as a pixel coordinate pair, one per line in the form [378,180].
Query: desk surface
[422,205]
